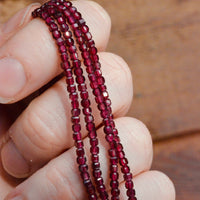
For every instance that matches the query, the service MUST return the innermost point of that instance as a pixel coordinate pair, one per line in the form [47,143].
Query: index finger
[29,59]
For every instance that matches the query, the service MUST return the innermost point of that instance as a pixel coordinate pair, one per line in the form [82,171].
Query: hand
[35,130]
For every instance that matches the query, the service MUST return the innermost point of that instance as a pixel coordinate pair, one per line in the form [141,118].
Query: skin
[37,151]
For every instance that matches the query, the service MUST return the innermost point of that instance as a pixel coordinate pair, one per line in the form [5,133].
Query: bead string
[63,10]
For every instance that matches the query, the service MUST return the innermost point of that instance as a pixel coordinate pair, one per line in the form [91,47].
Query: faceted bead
[75,120]
[112,152]
[81,160]
[62,49]
[67,34]
[81,21]
[76,112]
[56,34]
[64,28]
[89,118]
[128,176]
[102,88]
[130,192]
[94,85]
[90,70]
[108,129]
[83,168]
[121,154]
[71,88]
[49,20]
[92,78]
[77,33]
[91,42]
[78,71]
[87,111]
[105,94]
[114,160]
[76,127]
[119,147]
[82,87]
[53,27]
[97,172]
[77,136]
[85,103]
[83,47]
[70,80]
[94,142]
[108,102]
[75,104]
[66,13]
[114,176]
[72,9]
[61,8]
[65,65]
[101,106]
[73,96]
[69,41]
[71,20]
[93,50]
[129,184]
[79,144]
[96,91]
[72,49]
[92,134]
[75,26]
[84,95]
[44,15]
[74,56]
[77,15]
[93,197]
[84,29]
[90,126]
[76,63]
[95,58]
[61,20]
[114,168]
[97,65]
[104,113]
[64,57]
[114,184]
[87,62]
[80,40]
[94,150]
[60,41]
[88,36]
[115,192]
[67,4]
[98,73]
[85,54]
[123,161]
[99,181]
[85,175]
[125,169]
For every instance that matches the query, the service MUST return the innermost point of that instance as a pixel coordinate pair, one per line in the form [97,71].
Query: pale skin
[35,133]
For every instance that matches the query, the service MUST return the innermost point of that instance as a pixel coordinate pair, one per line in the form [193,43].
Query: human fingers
[44,129]
[18,21]
[60,179]
[30,59]
[151,185]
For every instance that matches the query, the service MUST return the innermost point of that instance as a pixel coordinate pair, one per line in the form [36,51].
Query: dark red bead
[70,80]
[56,34]
[67,34]
[84,95]
[101,106]
[75,120]
[66,13]
[79,144]
[53,27]
[44,15]
[76,112]
[72,9]
[76,63]
[65,66]
[115,192]
[71,88]
[90,70]
[64,57]
[72,49]
[77,136]
[98,73]
[68,4]
[49,20]
[84,29]
[87,111]
[71,20]
[114,176]
[123,161]
[81,160]
[78,71]
[92,134]
[94,150]
[77,33]
[76,127]
[61,20]
[94,85]
[114,168]
[94,142]
[89,118]
[87,62]
[85,103]
[90,126]
[77,15]
[83,168]
[95,158]
[82,87]
[60,41]
[75,104]
[108,129]
[97,173]
[73,96]
[114,184]
[128,176]
[129,184]
[74,56]
[85,55]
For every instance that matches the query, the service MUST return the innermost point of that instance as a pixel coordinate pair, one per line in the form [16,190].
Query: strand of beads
[97,83]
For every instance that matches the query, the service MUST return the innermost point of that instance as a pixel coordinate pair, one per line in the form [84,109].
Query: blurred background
[160,40]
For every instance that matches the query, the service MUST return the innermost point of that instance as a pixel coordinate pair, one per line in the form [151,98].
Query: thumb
[20,19]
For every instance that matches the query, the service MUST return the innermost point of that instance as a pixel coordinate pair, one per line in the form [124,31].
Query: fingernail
[13,162]
[18,19]
[12,78]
